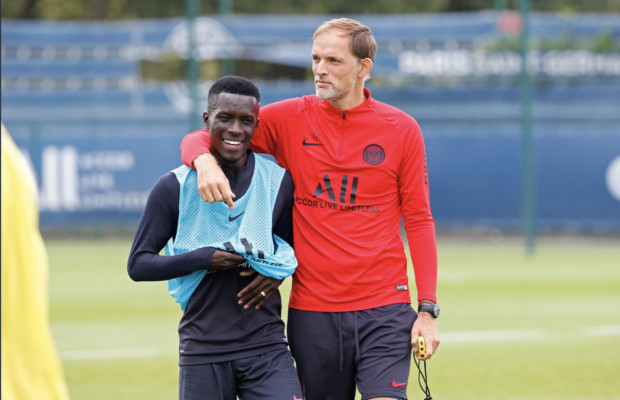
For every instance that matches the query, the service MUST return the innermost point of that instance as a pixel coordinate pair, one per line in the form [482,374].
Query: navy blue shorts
[271,375]
[336,350]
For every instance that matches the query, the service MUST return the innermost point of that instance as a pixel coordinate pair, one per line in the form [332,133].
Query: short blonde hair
[362,43]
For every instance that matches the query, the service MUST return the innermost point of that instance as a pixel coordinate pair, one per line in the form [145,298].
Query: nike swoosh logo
[235,217]
[311,144]
[297,398]
[397,385]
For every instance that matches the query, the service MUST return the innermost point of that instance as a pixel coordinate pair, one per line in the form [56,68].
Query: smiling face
[231,120]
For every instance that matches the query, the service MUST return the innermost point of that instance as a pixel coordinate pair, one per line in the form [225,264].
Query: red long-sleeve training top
[356,174]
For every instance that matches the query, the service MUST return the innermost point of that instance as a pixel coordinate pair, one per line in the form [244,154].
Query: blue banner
[99,135]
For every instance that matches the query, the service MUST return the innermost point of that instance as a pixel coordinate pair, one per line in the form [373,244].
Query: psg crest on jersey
[374,154]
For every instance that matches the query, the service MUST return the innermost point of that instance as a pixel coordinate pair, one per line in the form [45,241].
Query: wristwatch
[432,309]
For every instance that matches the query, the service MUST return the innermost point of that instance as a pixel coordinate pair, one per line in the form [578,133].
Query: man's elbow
[133,271]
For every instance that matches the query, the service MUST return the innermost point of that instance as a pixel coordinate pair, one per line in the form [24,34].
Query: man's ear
[365,67]
[205,119]
[257,121]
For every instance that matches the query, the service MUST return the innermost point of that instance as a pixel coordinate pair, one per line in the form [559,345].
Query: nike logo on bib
[230,218]
[397,385]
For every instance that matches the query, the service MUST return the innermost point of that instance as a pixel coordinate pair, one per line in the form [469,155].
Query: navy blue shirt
[214,327]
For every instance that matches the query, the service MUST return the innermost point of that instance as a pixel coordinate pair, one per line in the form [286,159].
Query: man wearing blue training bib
[224,266]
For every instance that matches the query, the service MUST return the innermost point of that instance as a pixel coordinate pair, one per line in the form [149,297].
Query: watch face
[432,309]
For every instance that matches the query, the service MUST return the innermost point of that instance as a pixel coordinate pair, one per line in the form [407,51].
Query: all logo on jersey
[338,193]
[326,187]
[374,154]
[249,252]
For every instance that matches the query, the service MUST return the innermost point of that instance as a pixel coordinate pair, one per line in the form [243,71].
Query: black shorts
[336,350]
[270,375]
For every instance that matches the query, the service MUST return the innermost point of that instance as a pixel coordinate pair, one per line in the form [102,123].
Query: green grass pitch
[512,326]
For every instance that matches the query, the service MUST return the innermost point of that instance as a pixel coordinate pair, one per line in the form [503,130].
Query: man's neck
[352,100]
[232,167]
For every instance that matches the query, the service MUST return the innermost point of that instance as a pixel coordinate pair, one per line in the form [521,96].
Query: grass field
[512,327]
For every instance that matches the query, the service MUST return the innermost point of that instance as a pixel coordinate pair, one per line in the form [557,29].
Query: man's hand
[223,260]
[212,183]
[425,326]
[258,291]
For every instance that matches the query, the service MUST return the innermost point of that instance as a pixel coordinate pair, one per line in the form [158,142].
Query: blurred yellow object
[421,347]
[31,368]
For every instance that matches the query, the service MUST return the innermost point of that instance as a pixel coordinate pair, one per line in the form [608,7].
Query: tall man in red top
[358,166]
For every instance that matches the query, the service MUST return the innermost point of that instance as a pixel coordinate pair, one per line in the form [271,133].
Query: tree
[124,9]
